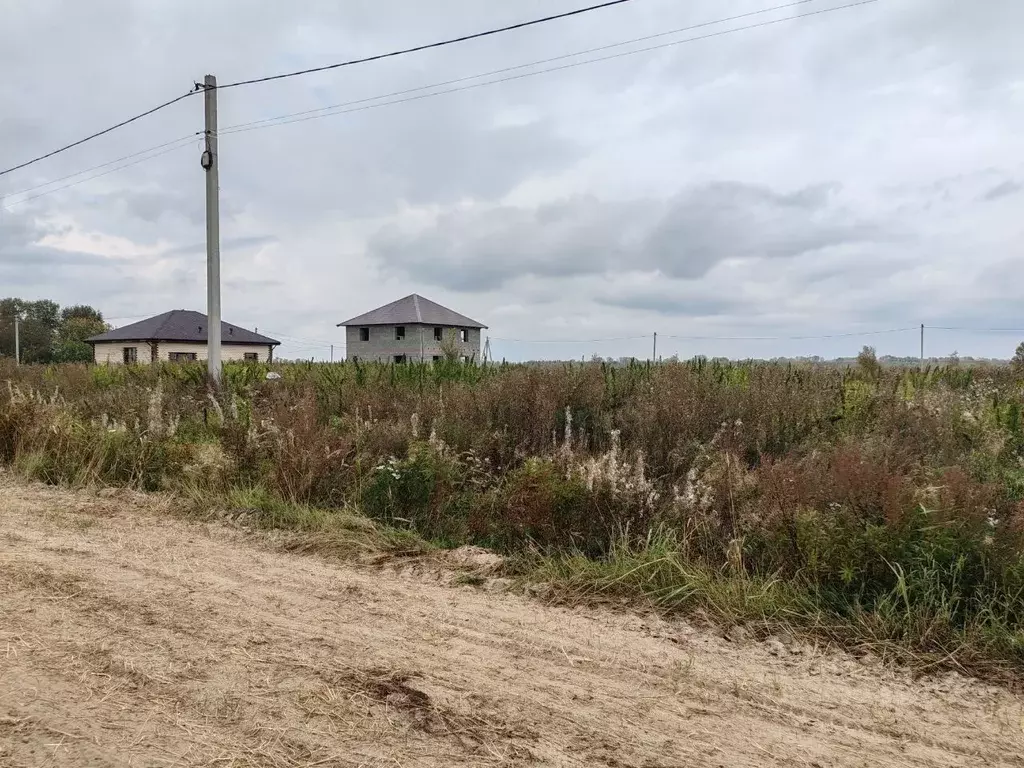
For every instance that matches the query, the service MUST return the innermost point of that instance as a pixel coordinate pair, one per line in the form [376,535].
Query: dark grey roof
[413,310]
[180,325]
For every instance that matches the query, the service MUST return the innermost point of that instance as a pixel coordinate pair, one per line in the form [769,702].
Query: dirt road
[130,638]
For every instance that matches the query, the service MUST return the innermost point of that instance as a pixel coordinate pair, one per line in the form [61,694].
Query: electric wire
[973,330]
[789,338]
[298,117]
[199,87]
[428,46]
[96,135]
[337,109]
[179,140]
[706,338]
[10,206]
[515,67]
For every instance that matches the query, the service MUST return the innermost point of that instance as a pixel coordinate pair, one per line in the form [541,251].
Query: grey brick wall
[383,346]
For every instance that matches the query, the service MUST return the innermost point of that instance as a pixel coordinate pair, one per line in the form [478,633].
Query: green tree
[37,328]
[77,324]
[1018,359]
[867,360]
[46,332]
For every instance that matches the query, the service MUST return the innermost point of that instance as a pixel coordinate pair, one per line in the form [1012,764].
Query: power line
[708,338]
[503,70]
[351,62]
[300,339]
[95,176]
[790,338]
[567,341]
[428,46]
[96,135]
[973,330]
[298,117]
[103,165]
[283,119]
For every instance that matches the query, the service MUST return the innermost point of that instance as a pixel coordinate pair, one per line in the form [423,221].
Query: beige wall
[113,351]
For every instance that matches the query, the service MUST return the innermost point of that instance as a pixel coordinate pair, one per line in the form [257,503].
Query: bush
[425,492]
[537,505]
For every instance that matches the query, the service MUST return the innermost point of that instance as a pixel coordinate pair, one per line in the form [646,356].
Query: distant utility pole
[332,353]
[210,163]
[922,346]
[654,353]
[17,341]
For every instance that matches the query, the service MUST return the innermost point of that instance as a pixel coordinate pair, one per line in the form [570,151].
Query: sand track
[131,638]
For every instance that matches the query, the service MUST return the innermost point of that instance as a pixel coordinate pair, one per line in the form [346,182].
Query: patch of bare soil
[130,638]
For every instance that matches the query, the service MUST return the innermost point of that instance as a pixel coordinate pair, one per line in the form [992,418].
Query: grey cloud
[708,224]
[226,244]
[151,206]
[20,251]
[251,283]
[469,250]
[36,256]
[429,153]
[678,305]
[1005,189]
[684,237]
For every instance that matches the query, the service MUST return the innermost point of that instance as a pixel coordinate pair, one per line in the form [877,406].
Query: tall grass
[883,505]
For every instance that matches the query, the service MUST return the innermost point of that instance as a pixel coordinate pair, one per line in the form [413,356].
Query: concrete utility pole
[211,163]
[17,341]
[922,346]
[654,359]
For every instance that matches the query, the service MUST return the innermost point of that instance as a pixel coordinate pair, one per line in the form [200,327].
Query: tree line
[49,333]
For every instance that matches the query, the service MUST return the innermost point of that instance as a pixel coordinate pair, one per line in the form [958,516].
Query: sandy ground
[130,638]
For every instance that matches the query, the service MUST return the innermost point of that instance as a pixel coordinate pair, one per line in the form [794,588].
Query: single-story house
[178,336]
[410,329]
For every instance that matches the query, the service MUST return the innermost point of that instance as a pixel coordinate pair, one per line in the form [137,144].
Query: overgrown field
[876,508]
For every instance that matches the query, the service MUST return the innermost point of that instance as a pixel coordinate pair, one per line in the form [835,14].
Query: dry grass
[884,505]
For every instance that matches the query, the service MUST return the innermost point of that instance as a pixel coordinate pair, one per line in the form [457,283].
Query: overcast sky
[855,171]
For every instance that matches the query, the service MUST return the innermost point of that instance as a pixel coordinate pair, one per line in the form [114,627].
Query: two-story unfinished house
[412,329]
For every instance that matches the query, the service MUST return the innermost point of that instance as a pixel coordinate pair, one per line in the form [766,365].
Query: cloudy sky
[849,172]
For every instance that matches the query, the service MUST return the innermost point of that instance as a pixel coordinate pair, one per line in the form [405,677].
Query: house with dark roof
[412,329]
[177,336]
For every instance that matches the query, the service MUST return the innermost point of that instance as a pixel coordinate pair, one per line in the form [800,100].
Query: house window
[399,358]
[464,335]
[438,334]
[181,357]
[399,333]
[437,358]
[364,334]
[251,356]
[131,354]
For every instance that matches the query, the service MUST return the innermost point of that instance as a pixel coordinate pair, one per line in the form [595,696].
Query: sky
[853,172]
